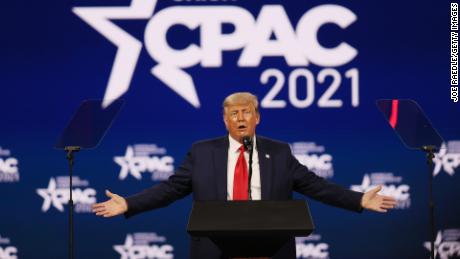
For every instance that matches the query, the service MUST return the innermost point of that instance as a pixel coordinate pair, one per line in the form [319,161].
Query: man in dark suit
[217,169]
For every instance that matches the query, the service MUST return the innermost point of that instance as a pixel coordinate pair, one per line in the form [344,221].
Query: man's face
[241,120]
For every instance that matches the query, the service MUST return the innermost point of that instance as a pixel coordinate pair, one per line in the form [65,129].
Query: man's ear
[258,119]
[225,121]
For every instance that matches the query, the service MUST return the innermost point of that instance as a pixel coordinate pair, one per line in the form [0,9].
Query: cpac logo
[8,252]
[446,245]
[57,194]
[298,47]
[305,248]
[448,158]
[399,192]
[320,163]
[145,158]
[9,170]
[137,246]
[8,167]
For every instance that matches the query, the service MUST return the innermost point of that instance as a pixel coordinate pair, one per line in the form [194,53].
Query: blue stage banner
[317,68]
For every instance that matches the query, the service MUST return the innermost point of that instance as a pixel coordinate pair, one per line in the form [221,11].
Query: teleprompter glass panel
[410,123]
[89,124]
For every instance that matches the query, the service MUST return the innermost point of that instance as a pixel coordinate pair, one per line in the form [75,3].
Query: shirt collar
[234,145]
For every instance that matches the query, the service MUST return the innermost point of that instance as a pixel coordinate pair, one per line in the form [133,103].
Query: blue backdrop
[316,67]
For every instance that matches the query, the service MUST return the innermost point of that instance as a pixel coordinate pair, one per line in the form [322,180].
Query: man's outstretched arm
[308,183]
[160,195]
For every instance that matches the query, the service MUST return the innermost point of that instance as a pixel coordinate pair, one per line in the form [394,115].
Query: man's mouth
[242,128]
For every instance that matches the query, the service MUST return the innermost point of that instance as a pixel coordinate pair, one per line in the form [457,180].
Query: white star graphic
[127,165]
[364,185]
[446,161]
[437,242]
[129,49]
[123,250]
[49,196]
[438,159]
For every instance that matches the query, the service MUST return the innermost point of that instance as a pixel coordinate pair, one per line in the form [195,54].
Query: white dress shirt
[233,154]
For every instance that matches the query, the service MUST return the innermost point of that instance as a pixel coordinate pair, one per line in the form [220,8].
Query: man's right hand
[115,206]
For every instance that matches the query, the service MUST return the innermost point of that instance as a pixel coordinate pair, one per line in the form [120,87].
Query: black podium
[250,228]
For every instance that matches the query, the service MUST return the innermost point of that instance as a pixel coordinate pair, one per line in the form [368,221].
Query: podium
[250,228]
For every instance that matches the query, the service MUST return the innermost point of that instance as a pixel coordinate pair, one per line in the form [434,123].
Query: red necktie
[240,178]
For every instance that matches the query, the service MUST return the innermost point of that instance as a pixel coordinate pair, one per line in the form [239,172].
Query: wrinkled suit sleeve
[162,194]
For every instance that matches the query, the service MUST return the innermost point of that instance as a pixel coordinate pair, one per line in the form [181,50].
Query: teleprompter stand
[250,228]
[416,132]
[85,131]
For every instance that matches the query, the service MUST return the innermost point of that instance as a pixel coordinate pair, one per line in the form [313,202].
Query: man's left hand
[376,202]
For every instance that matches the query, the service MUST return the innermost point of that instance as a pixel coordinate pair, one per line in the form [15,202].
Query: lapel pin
[267,156]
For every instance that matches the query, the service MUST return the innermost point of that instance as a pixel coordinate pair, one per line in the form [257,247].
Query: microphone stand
[248,144]
[70,155]
[429,150]
[250,172]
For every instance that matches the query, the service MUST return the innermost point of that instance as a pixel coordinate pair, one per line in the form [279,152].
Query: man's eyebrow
[239,109]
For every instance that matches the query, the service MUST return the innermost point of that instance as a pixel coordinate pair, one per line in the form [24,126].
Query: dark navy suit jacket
[204,174]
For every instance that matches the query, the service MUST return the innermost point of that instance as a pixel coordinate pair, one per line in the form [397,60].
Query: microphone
[248,144]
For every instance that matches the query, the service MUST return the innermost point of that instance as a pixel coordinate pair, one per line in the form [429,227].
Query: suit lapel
[220,167]
[265,164]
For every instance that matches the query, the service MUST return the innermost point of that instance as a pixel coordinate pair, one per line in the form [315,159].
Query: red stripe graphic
[394,113]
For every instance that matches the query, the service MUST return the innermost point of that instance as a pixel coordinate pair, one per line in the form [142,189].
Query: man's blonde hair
[241,98]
